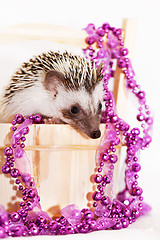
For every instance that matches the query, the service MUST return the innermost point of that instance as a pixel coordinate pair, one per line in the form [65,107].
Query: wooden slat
[129,27]
[49,32]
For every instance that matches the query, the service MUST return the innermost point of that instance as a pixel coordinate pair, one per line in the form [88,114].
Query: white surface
[146,64]
[146,227]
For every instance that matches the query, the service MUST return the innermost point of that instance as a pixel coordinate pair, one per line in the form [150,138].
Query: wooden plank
[129,27]
[37,31]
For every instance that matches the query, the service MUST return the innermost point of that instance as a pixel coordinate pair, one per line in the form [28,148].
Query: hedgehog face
[77,102]
[82,110]
[82,120]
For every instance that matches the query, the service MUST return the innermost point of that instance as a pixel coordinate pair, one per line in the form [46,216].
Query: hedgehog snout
[96,134]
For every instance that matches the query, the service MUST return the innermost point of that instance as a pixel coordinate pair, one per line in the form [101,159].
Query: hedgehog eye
[99,107]
[74,110]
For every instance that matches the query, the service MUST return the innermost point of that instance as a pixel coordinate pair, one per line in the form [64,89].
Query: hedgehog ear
[52,80]
[99,72]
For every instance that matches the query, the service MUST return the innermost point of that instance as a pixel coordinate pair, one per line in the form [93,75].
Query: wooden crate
[63,161]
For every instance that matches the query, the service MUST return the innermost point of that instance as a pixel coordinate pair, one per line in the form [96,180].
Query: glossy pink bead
[98,178]
[123,51]
[8,151]
[96,196]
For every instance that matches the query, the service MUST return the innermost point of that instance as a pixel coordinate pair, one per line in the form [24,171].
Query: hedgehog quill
[62,87]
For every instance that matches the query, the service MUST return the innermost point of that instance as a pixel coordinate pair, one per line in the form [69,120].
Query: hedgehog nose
[96,134]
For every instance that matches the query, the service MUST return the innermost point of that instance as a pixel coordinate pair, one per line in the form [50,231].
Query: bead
[121,63]
[131,151]
[141,94]
[20,187]
[105,201]
[15,173]
[106,179]
[118,31]
[22,212]
[37,119]
[14,145]
[105,157]
[104,184]
[140,117]
[120,37]
[8,151]
[29,204]
[114,118]
[94,204]
[31,193]
[99,169]
[105,26]
[123,51]
[131,84]
[135,131]
[96,196]
[88,214]
[136,191]
[136,167]
[98,178]
[113,158]
[127,212]
[41,219]
[118,225]
[125,223]
[102,164]
[23,139]
[15,217]
[17,181]
[70,230]
[22,145]
[13,122]
[14,128]
[84,228]
[34,231]
[136,213]
[53,225]
[6,169]
[19,118]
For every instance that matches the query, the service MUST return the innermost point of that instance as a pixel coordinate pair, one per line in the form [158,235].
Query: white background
[146,64]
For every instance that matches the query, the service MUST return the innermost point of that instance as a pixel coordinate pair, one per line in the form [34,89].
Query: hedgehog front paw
[48,120]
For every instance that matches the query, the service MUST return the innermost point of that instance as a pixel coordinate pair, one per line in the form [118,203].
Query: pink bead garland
[108,212]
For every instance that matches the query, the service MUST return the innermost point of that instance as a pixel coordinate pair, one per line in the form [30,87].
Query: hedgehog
[61,87]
